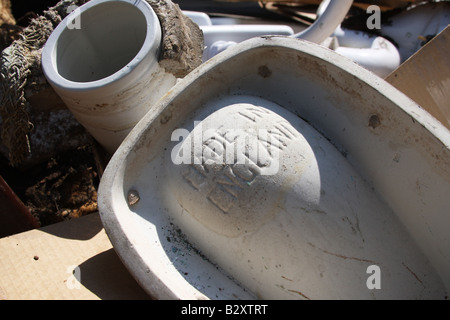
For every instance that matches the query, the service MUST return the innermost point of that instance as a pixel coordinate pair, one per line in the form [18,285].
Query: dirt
[62,188]
[22,12]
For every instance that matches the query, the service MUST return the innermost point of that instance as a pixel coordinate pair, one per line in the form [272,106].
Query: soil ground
[64,187]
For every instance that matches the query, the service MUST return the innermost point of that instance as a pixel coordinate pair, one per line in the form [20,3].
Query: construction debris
[22,81]
[21,78]
[53,162]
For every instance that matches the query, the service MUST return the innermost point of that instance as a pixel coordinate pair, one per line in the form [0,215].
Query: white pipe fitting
[376,54]
[220,37]
[330,16]
[224,33]
[106,70]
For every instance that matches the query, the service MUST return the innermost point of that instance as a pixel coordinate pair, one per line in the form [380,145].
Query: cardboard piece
[424,77]
[71,260]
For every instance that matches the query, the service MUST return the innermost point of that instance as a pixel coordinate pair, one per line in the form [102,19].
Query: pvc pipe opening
[111,35]
[107,42]
[102,60]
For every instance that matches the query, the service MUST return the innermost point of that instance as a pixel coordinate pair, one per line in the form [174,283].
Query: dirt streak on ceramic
[339,174]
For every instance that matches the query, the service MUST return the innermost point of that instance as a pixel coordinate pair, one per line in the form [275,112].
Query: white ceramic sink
[282,170]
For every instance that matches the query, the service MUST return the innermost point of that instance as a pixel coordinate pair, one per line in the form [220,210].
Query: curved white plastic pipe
[327,22]
[105,68]
[381,58]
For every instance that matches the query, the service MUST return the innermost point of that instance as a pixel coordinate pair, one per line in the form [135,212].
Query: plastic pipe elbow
[326,22]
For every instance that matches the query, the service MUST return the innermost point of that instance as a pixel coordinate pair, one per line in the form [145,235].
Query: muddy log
[182,43]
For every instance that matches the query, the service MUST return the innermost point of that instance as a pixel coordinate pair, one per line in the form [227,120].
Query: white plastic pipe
[106,68]
[376,54]
[331,17]
[217,38]
[223,33]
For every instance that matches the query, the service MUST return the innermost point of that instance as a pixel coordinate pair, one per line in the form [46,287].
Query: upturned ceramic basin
[282,170]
